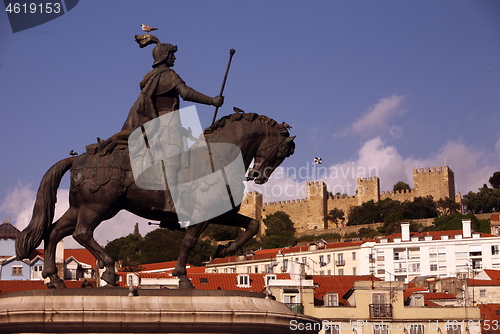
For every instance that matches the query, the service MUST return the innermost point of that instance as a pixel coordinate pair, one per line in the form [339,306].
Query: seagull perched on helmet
[147,28]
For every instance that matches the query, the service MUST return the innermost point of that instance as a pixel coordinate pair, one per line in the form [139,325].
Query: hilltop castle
[310,213]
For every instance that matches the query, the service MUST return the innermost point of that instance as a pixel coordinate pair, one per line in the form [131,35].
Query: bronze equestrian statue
[102,183]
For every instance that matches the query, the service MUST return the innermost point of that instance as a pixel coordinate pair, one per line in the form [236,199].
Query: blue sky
[387,85]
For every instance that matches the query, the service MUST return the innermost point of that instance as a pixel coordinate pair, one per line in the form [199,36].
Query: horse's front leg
[251,227]
[188,243]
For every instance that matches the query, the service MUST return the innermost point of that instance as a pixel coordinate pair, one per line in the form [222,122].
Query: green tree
[454,222]
[222,232]
[366,213]
[126,249]
[420,207]
[280,231]
[335,216]
[447,205]
[495,180]
[484,201]
[401,186]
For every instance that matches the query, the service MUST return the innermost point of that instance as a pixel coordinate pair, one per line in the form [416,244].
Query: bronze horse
[92,201]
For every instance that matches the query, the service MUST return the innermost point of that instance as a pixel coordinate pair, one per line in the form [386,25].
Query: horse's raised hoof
[221,251]
[185,283]
[56,284]
[110,277]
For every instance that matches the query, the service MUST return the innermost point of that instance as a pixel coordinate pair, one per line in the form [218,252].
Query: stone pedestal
[111,310]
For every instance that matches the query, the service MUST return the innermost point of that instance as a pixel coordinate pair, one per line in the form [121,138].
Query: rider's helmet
[161,51]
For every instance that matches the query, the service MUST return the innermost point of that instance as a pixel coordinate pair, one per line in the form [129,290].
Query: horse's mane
[249,117]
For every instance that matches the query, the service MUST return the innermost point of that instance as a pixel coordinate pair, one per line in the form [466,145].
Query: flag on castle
[317,160]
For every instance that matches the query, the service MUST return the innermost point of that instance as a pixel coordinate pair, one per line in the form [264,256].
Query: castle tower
[438,182]
[317,197]
[368,189]
[251,206]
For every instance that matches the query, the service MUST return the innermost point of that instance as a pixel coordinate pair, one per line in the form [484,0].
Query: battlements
[315,183]
[367,179]
[340,197]
[431,169]
[290,201]
[397,192]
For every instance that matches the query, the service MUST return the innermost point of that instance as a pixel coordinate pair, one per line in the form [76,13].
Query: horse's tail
[43,211]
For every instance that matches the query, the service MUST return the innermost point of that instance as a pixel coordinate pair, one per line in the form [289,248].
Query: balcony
[380,311]
[340,263]
[296,308]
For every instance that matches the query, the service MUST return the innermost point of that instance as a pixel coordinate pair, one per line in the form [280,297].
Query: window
[329,272]
[332,329]
[243,281]
[249,269]
[256,269]
[380,329]
[341,272]
[354,270]
[495,250]
[304,260]
[378,298]
[321,272]
[414,267]
[453,328]
[354,255]
[290,298]
[322,260]
[233,270]
[328,258]
[482,293]
[17,271]
[285,265]
[434,267]
[269,278]
[416,329]
[331,299]
[225,270]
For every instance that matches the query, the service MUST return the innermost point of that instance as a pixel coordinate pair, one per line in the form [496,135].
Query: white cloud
[377,119]
[18,204]
[472,168]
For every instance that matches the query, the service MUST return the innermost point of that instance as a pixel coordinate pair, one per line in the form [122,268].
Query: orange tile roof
[482,282]
[410,291]
[340,284]
[22,285]
[493,274]
[81,255]
[159,265]
[438,295]
[214,281]
[436,235]
[491,314]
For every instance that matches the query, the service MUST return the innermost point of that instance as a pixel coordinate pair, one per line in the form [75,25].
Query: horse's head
[270,154]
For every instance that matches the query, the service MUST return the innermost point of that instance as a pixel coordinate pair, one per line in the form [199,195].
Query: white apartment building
[319,258]
[456,253]
[400,256]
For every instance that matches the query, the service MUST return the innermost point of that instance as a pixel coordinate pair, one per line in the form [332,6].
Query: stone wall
[309,214]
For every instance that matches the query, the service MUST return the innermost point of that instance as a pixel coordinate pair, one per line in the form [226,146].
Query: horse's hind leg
[60,229]
[251,227]
[88,220]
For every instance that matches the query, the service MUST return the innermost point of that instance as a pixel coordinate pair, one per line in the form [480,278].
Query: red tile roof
[493,274]
[410,291]
[482,282]
[80,254]
[340,284]
[22,285]
[436,235]
[214,281]
[438,295]
[490,314]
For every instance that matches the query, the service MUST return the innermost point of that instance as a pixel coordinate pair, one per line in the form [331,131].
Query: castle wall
[309,214]
[400,195]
